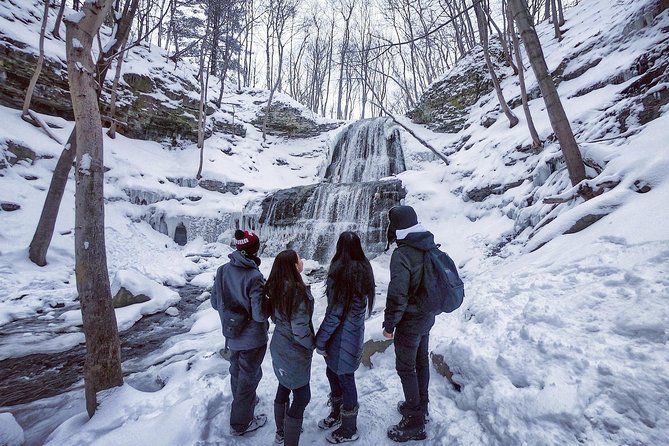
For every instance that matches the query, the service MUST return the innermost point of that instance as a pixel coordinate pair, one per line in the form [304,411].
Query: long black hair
[284,284]
[351,272]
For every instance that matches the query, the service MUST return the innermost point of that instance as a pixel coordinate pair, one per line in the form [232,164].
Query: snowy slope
[565,344]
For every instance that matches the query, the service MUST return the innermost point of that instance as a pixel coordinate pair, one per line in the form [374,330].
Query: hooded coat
[341,335]
[406,272]
[241,280]
[292,345]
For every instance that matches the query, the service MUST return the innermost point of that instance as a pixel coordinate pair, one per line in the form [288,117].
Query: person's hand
[321,352]
[388,335]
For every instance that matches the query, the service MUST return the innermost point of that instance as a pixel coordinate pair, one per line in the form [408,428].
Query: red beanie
[246,242]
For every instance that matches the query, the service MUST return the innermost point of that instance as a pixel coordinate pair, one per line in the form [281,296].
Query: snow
[11,433]
[562,338]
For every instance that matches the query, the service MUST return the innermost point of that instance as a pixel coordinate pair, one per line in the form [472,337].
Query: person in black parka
[405,321]
[239,283]
[292,344]
[350,293]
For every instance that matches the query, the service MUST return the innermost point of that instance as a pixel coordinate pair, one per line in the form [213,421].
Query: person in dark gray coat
[405,321]
[350,292]
[292,344]
[238,287]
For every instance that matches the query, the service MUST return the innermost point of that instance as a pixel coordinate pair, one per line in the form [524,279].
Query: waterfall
[366,150]
[310,218]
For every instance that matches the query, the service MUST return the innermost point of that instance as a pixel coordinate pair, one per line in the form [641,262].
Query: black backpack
[234,317]
[441,289]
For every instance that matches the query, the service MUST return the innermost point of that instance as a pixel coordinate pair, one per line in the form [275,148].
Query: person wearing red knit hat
[237,295]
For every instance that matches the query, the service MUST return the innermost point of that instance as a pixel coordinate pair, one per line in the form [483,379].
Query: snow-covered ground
[565,344]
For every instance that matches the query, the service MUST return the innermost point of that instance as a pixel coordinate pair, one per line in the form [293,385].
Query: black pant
[413,367]
[344,386]
[245,374]
[301,397]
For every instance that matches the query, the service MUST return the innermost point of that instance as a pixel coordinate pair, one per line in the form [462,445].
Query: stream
[36,376]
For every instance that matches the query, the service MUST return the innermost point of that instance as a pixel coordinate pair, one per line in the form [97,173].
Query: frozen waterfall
[366,150]
[310,218]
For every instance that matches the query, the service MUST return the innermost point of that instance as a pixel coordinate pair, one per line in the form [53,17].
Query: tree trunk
[40,61]
[556,113]
[59,19]
[44,231]
[114,93]
[536,141]
[556,22]
[483,32]
[102,368]
[47,220]
[560,12]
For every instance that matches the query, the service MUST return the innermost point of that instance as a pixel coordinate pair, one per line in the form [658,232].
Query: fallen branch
[411,132]
[33,118]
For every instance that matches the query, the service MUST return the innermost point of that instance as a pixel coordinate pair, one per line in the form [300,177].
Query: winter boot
[402,410]
[292,428]
[257,422]
[409,428]
[348,431]
[334,418]
[279,417]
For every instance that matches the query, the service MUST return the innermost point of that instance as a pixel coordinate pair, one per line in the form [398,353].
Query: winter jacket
[241,281]
[292,345]
[341,336]
[406,273]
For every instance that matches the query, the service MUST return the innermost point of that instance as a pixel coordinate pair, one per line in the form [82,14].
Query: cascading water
[367,150]
[310,218]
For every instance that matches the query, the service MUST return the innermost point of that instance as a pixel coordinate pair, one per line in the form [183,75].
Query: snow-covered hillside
[562,338]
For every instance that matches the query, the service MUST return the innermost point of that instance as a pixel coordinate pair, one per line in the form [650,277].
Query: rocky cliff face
[444,107]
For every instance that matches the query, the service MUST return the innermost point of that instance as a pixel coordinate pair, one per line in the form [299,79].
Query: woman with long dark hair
[292,345]
[350,292]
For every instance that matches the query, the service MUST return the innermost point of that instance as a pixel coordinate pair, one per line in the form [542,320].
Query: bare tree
[39,245]
[26,114]
[536,141]
[556,114]
[483,32]
[59,19]
[554,19]
[102,369]
[281,12]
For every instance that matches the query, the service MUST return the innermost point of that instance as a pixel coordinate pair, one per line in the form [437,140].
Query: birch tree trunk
[102,368]
[556,114]
[40,61]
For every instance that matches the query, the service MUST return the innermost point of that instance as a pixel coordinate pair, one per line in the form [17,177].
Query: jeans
[344,386]
[301,397]
[245,375]
[413,367]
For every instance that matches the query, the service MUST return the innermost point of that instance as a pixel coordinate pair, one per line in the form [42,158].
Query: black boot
[292,428]
[279,417]
[348,431]
[401,408]
[334,418]
[411,427]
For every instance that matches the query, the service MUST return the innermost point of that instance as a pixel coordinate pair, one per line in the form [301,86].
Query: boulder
[370,347]
[222,187]
[443,369]
[124,298]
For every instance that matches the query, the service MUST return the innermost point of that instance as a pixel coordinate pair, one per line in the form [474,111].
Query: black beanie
[399,217]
